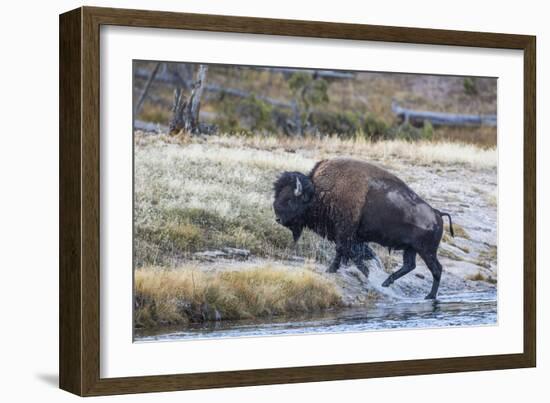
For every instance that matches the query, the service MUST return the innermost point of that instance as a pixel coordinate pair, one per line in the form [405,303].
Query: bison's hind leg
[435,267]
[409,263]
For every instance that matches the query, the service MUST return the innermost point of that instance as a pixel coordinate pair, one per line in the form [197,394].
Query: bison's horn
[298,190]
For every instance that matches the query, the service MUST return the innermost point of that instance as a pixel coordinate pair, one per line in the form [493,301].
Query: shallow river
[472,309]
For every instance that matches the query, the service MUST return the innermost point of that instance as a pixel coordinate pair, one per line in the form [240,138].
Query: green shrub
[427,131]
[254,114]
[407,132]
[244,116]
[376,129]
[227,120]
[470,86]
[341,123]
[311,92]
[308,93]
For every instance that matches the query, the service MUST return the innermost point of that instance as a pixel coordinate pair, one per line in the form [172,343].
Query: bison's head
[293,195]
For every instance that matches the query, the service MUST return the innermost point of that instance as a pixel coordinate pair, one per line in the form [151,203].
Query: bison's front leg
[348,250]
[363,250]
[354,250]
[358,260]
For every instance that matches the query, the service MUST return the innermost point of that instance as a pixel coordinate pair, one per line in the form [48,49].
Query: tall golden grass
[187,294]
[424,152]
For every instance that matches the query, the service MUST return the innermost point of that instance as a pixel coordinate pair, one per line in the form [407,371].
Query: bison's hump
[342,185]
[345,185]
[350,168]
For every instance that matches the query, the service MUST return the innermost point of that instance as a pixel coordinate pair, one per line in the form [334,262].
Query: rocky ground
[469,259]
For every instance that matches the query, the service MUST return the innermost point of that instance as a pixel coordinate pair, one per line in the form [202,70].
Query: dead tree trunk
[297,119]
[185,112]
[192,123]
[177,122]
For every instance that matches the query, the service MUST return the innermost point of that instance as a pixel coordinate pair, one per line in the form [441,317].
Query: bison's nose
[278,220]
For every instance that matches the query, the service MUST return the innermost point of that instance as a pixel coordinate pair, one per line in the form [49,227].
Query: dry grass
[423,152]
[484,136]
[491,199]
[449,255]
[194,194]
[459,231]
[487,257]
[479,276]
[188,295]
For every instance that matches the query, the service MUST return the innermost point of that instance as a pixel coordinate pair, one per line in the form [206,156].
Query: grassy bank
[188,295]
[423,152]
[196,194]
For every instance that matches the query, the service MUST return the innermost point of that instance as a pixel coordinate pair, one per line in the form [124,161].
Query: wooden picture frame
[79,346]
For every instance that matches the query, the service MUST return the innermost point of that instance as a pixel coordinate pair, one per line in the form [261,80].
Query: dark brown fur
[352,202]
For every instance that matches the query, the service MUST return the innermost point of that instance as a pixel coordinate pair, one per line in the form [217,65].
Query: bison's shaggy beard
[296,231]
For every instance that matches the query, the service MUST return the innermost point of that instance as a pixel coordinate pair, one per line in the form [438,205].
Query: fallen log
[157,128]
[150,127]
[326,74]
[417,118]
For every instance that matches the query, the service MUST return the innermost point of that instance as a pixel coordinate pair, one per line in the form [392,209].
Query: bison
[352,203]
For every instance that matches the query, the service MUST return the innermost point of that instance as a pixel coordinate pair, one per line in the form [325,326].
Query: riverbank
[191,294]
[198,197]
[197,293]
[455,310]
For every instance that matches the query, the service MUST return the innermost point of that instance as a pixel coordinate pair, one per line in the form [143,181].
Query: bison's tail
[450,221]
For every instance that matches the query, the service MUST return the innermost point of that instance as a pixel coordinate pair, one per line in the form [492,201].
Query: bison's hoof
[332,269]
[429,296]
[388,282]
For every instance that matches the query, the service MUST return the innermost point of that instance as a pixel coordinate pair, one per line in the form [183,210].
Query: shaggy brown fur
[352,202]
[341,187]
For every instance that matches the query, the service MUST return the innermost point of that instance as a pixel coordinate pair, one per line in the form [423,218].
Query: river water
[466,309]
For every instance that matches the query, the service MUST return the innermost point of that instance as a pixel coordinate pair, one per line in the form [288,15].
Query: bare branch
[145,90]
